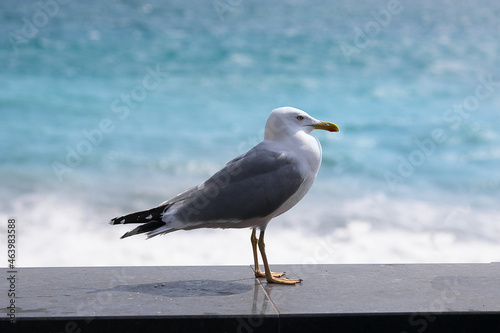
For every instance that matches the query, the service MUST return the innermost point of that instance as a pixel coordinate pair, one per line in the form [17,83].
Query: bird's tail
[150,220]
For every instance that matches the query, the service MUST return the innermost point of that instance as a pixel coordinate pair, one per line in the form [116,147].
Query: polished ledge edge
[376,290]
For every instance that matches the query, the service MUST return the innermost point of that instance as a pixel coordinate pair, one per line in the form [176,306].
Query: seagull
[250,190]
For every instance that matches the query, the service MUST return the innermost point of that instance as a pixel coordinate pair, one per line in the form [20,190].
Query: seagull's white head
[287,121]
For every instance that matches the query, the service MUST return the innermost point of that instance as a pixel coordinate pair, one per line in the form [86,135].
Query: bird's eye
[300,118]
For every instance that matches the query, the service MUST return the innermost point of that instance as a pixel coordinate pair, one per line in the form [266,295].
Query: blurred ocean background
[112,107]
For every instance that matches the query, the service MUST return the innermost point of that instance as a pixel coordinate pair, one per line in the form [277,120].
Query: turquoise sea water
[108,108]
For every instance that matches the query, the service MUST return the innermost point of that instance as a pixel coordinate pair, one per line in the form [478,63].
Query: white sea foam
[54,230]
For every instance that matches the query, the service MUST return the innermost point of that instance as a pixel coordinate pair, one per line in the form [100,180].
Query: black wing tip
[144,216]
[116,220]
[127,234]
[150,226]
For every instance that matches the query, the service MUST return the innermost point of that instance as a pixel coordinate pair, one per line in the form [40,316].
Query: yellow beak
[324,125]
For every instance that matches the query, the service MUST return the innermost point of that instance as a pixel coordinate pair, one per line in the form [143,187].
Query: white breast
[307,152]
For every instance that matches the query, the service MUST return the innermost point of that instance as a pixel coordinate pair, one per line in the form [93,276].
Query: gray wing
[252,185]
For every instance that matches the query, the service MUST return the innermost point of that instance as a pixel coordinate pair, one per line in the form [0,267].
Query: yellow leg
[258,272]
[254,240]
[269,276]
